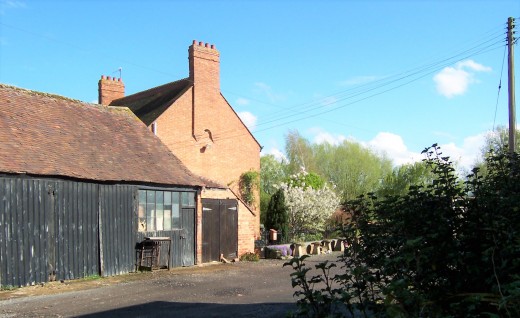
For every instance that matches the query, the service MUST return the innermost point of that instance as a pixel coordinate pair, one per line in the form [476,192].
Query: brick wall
[206,134]
[109,89]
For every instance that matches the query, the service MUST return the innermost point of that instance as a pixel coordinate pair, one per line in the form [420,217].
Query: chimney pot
[194,42]
[110,88]
[204,65]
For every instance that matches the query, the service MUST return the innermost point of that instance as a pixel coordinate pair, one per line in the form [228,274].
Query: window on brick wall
[153,128]
[160,210]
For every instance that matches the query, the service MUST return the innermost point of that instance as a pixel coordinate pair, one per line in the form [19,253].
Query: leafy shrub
[444,249]
[314,302]
[308,237]
[249,257]
[249,183]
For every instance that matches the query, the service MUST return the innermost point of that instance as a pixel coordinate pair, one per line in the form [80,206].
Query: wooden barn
[81,185]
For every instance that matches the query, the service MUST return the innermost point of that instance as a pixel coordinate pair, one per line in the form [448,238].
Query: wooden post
[511,84]
[100,235]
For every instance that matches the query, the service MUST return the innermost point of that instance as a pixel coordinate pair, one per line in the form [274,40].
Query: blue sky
[396,76]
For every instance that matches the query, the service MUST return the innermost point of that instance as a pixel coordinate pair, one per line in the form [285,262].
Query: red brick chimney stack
[204,65]
[110,88]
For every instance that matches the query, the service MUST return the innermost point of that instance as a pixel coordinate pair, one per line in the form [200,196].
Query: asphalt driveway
[243,289]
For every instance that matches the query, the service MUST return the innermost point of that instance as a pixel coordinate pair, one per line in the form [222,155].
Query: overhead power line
[365,91]
[344,98]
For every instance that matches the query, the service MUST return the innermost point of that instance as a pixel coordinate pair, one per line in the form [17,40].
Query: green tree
[276,216]
[272,173]
[305,180]
[498,140]
[444,249]
[299,153]
[398,182]
[351,167]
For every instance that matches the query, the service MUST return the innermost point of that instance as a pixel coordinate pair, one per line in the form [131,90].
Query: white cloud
[466,155]
[474,66]
[277,153]
[242,101]
[325,137]
[249,119]
[452,81]
[321,136]
[393,146]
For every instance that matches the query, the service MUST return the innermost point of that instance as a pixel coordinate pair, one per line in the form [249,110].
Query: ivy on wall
[249,183]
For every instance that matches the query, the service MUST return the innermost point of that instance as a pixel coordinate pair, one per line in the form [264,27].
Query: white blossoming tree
[309,206]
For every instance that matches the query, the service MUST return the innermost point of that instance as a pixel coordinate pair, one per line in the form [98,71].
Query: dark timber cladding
[53,229]
[48,230]
[118,229]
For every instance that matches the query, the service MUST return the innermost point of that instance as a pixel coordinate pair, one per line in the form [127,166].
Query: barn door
[219,229]
[210,230]
[188,236]
[228,228]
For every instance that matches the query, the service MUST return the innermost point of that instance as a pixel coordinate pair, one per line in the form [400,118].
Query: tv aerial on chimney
[120,69]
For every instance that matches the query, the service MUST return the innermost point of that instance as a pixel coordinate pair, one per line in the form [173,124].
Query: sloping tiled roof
[43,134]
[150,104]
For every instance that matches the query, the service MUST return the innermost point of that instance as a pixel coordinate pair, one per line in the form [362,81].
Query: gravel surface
[242,289]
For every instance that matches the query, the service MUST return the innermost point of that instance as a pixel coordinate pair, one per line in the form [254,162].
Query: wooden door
[219,229]
[228,228]
[187,236]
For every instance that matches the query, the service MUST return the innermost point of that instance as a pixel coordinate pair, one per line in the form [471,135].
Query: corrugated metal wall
[24,243]
[48,230]
[119,228]
[75,229]
[52,229]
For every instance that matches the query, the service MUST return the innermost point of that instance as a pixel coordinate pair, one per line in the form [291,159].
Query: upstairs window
[153,128]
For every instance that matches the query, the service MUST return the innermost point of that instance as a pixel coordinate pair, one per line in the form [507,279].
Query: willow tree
[353,168]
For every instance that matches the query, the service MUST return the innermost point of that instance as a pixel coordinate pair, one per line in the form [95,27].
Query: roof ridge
[67,99]
[43,94]
[147,92]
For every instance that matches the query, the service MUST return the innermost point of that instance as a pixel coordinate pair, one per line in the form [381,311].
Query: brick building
[81,184]
[194,120]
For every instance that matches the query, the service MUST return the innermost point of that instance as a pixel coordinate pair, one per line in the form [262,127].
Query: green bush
[249,257]
[444,249]
[276,216]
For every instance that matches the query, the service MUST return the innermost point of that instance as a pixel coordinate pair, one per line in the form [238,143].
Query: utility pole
[511,83]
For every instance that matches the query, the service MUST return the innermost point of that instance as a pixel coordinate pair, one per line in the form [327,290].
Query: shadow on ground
[198,310]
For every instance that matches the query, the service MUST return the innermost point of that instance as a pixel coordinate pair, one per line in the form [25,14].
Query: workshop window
[160,210]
